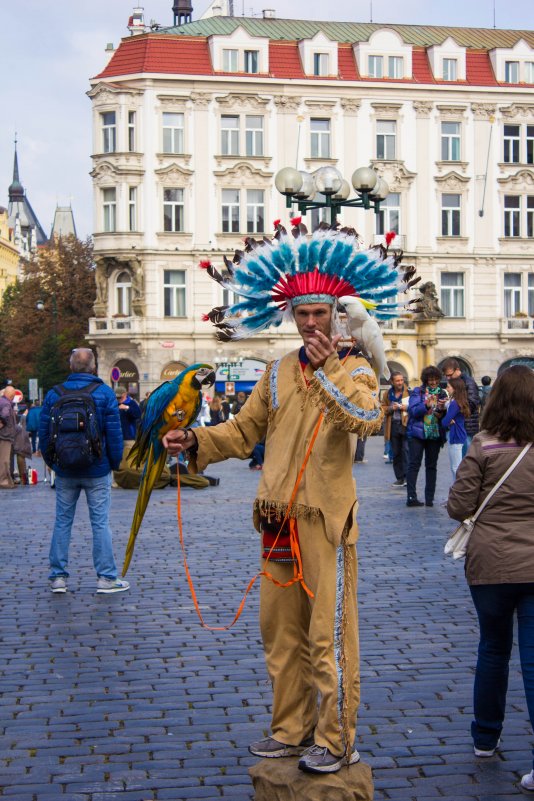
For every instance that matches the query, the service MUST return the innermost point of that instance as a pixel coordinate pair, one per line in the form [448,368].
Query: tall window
[251,61]
[174,293]
[229,135]
[320,64]
[511,71]
[230,210]
[450,69]
[173,210]
[376,66]
[452,294]
[530,216]
[173,132]
[131,131]
[319,215]
[386,134]
[109,206]
[123,294]
[512,142]
[530,309]
[450,141]
[109,132]
[450,215]
[230,60]
[320,138]
[255,211]
[529,71]
[132,208]
[388,218]
[512,215]
[530,144]
[512,294]
[253,135]
[395,67]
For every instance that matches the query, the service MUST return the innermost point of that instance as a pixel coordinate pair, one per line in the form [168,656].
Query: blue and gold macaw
[174,404]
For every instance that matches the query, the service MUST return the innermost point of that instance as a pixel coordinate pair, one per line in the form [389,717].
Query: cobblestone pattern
[126,697]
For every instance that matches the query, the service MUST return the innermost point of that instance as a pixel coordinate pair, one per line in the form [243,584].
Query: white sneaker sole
[101,591]
[57,590]
[333,768]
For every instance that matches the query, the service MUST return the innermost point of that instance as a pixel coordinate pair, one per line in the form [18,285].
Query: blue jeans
[467,443]
[455,456]
[98,495]
[495,605]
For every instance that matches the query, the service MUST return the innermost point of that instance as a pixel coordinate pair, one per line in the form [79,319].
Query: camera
[443,383]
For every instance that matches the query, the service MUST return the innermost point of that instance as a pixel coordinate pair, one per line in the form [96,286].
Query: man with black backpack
[81,440]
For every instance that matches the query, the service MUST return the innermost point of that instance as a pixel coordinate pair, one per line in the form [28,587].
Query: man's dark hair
[396,373]
[450,364]
[430,372]
[486,380]
[509,411]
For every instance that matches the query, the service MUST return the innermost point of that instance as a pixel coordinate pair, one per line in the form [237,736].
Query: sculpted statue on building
[428,304]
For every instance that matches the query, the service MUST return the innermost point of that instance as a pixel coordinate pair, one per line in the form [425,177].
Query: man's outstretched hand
[177,441]
[320,348]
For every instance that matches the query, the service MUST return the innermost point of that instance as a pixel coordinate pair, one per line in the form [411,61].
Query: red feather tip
[296,221]
[390,236]
[276,223]
[205,318]
[205,264]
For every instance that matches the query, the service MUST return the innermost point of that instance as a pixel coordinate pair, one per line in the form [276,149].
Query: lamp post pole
[301,188]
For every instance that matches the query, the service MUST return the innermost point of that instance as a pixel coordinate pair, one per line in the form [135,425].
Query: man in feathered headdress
[309,628]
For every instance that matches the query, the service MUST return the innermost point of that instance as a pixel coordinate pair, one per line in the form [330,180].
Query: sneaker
[527,782]
[398,483]
[414,502]
[429,503]
[59,584]
[271,748]
[318,759]
[105,585]
[484,753]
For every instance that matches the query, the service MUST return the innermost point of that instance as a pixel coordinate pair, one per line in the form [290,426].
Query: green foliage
[37,343]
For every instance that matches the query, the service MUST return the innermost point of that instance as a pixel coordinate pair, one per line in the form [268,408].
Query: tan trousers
[311,645]
[6,482]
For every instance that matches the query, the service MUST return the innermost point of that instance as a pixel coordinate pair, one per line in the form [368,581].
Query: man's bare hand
[320,348]
[177,441]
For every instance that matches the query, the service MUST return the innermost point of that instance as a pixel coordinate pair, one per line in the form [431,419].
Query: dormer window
[450,69]
[230,60]
[251,61]
[376,67]
[320,64]
[529,71]
[511,71]
[395,67]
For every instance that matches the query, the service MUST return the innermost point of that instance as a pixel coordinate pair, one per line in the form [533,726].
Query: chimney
[269,13]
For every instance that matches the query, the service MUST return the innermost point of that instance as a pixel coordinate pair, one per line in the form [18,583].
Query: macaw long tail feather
[151,474]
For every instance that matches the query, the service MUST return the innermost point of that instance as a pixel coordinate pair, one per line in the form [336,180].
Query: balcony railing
[398,324]
[398,243]
[111,325]
[521,325]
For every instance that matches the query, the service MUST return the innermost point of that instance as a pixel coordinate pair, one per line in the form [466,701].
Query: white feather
[366,330]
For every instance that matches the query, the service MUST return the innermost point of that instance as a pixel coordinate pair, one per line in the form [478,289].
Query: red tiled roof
[189,55]
[479,71]
[284,60]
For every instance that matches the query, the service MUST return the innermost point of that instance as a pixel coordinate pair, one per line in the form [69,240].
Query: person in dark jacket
[95,481]
[451,369]
[32,423]
[8,426]
[425,434]
[499,565]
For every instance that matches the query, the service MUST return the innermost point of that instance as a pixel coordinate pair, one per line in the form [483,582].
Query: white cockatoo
[366,331]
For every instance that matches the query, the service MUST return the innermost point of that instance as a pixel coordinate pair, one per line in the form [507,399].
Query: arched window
[123,294]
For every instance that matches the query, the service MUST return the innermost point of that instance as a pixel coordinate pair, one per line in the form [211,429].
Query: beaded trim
[368,415]
[300,299]
[362,371]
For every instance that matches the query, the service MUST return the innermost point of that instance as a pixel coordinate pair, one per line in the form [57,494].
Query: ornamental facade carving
[122,166]
[320,105]
[483,111]
[452,181]
[522,180]
[174,175]
[395,173]
[237,101]
[174,102]
[350,105]
[244,173]
[389,109]
[287,102]
[518,110]
[423,108]
[201,99]
[453,113]
[104,94]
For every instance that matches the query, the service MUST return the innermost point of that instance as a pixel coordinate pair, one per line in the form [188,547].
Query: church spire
[16,190]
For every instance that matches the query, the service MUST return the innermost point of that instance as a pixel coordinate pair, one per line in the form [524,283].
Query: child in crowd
[454,421]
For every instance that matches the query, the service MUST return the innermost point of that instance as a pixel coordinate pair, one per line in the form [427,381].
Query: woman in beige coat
[500,554]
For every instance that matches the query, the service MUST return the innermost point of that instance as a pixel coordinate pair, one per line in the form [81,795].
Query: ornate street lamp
[301,188]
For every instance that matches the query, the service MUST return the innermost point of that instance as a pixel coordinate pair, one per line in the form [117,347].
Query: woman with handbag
[454,421]
[500,554]
[425,434]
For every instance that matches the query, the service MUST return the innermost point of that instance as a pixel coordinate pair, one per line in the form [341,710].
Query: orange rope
[293,538]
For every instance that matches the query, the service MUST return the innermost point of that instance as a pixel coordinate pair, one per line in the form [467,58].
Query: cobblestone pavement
[127,697]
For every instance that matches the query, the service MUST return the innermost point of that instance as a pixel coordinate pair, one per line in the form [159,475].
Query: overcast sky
[49,50]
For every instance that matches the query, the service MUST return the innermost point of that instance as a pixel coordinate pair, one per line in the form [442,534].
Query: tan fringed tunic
[285,411]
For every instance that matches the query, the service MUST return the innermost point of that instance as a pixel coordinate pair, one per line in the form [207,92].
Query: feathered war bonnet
[272,276]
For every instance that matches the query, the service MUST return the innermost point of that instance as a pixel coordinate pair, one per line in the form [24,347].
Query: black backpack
[74,438]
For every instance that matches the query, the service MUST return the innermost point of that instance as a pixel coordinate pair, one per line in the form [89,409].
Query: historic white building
[191,123]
